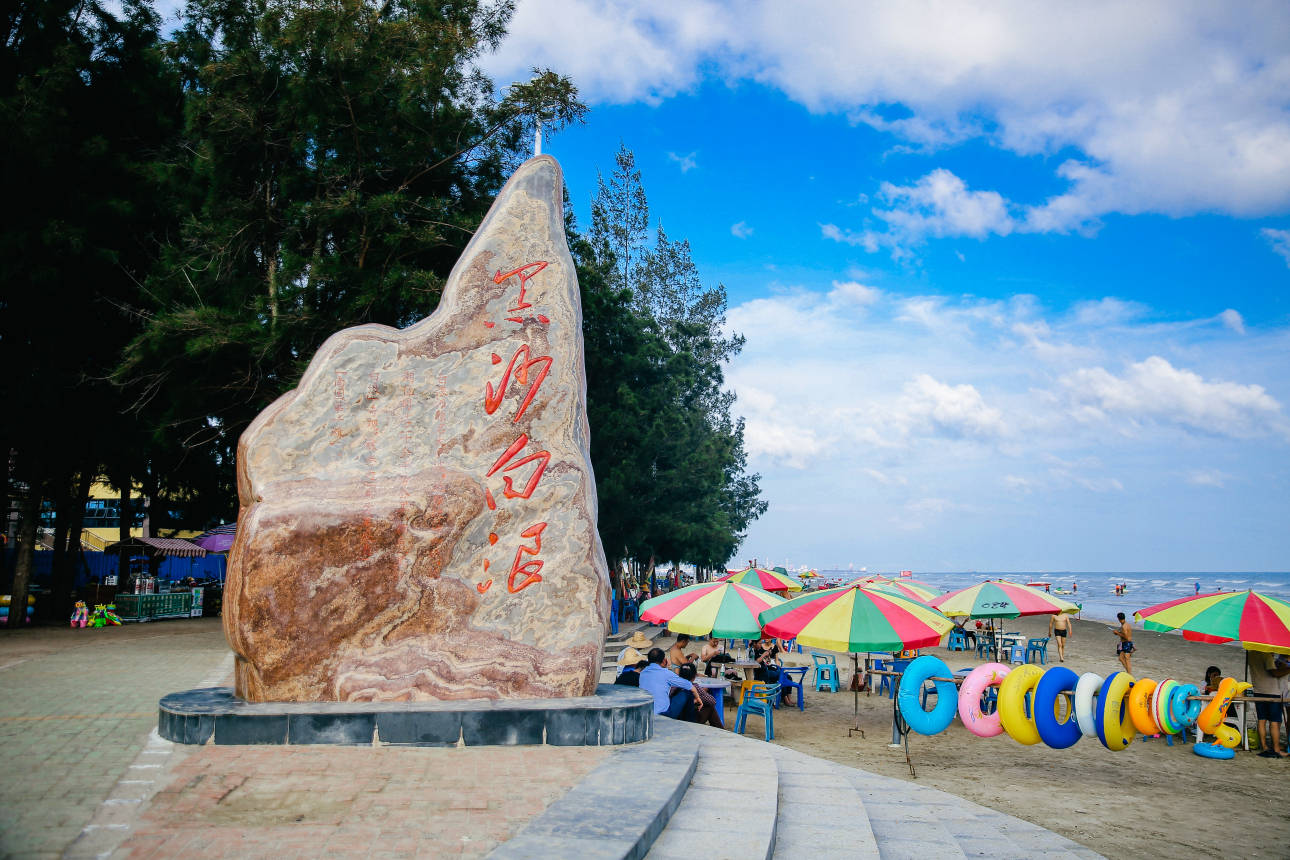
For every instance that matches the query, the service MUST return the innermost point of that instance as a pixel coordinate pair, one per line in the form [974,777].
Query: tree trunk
[75,554]
[26,545]
[125,518]
[61,491]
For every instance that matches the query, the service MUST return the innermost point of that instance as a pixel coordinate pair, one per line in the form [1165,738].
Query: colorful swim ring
[1183,709]
[1160,697]
[1058,734]
[1140,707]
[1211,716]
[1214,750]
[919,671]
[1013,693]
[1088,687]
[1111,716]
[973,687]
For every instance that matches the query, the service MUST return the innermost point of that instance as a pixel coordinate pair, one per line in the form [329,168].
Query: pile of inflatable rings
[1113,709]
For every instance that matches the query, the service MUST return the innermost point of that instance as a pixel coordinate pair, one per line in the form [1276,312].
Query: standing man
[673,695]
[1264,675]
[1059,627]
[1125,648]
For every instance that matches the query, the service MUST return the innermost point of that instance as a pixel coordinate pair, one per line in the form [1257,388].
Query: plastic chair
[787,683]
[890,682]
[759,700]
[984,645]
[957,641]
[1039,647]
[741,689]
[1018,653]
[826,672]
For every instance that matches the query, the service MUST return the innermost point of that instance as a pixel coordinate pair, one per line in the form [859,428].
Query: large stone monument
[418,517]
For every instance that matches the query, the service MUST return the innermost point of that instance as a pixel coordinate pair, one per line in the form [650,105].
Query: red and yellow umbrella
[913,589]
[999,598]
[723,610]
[1257,621]
[767,580]
[853,619]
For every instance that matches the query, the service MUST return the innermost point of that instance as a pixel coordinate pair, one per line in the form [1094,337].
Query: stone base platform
[614,715]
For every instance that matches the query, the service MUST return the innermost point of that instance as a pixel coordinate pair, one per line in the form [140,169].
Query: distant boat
[1038,584]
[906,573]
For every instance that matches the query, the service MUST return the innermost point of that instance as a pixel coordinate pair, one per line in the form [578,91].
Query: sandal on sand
[1268,754]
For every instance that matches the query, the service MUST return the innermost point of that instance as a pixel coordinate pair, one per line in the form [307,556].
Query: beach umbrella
[219,539]
[999,598]
[767,580]
[919,591]
[1258,621]
[723,610]
[854,618]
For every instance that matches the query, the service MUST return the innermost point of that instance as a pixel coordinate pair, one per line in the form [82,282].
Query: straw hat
[630,657]
[640,640]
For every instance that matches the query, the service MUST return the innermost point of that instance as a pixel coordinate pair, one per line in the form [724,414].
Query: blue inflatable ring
[1213,751]
[1055,682]
[1183,712]
[938,719]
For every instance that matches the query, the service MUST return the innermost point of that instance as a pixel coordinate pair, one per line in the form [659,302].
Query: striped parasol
[999,598]
[1258,621]
[854,618]
[723,610]
[910,588]
[767,580]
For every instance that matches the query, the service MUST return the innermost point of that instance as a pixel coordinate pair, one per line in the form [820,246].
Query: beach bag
[857,683]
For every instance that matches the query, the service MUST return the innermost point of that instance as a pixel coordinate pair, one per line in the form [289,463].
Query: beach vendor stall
[143,598]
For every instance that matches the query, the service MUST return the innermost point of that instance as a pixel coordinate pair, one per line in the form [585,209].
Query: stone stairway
[698,791]
[614,645]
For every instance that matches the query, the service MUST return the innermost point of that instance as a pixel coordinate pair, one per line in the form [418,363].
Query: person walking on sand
[1125,648]
[1059,627]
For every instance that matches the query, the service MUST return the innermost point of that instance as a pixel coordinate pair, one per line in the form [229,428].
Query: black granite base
[614,715]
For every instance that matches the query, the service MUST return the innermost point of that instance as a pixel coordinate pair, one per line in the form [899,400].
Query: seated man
[673,695]
[676,654]
[708,711]
[713,657]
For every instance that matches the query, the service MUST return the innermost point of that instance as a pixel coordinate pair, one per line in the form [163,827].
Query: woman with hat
[630,663]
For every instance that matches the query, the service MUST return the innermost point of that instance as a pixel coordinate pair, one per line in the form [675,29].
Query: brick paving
[353,801]
[76,711]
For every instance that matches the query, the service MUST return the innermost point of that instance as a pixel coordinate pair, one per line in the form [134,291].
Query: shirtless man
[1125,648]
[676,654]
[1059,627]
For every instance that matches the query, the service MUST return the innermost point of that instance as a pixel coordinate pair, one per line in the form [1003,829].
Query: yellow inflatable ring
[1111,716]
[1139,704]
[1013,693]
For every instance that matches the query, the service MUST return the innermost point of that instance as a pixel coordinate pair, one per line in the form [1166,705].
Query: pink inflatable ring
[974,685]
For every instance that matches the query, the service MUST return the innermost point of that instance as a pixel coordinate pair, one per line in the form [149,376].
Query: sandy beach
[1151,800]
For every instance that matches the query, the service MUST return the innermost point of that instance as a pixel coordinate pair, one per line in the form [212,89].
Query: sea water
[1095,592]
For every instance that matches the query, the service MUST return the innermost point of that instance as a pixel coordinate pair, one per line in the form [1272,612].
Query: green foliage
[669,459]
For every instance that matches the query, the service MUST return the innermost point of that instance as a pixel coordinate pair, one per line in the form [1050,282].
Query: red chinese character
[493,398]
[542,458]
[529,568]
[525,275]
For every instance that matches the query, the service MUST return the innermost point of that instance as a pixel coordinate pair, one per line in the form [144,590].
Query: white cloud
[1232,320]
[1167,106]
[686,162]
[1154,390]
[1280,242]
[1209,478]
[740,230]
[956,411]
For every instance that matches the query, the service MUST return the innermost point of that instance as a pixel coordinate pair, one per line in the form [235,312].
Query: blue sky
[1015,278]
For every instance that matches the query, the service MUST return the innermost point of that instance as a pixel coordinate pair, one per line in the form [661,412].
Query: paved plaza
[86,775]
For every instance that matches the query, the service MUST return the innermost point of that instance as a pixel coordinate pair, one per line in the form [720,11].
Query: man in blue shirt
[659,682]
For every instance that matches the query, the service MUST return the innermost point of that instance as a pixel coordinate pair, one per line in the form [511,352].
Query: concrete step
[618,811]
[821,815]
[731,807]
[911,821]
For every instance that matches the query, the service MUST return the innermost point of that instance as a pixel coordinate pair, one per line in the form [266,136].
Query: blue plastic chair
[826,672]
[957,641]
[1038,647]
[1018,654]
[984,645]
[788,683]
[760,699]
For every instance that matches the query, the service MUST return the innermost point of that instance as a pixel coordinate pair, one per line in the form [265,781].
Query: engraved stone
[418,517]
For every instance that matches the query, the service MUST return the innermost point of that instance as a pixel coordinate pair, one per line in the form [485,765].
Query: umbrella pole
[855,690]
